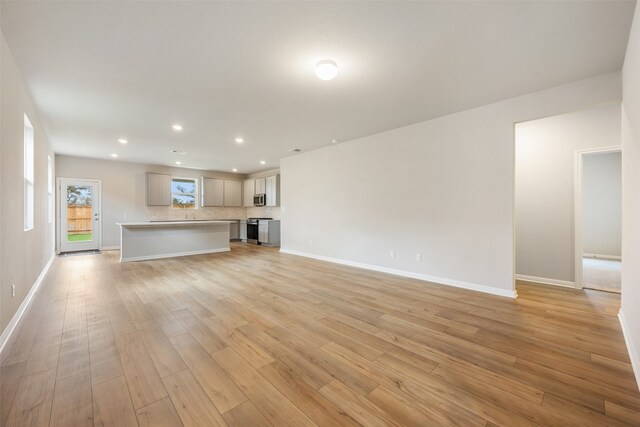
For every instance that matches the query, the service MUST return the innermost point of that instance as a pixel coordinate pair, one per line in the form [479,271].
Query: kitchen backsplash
[264,212]
[159,213]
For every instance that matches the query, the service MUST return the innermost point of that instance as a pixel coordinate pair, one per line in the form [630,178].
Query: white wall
[602,204]
[629,314]
[442,188]
[545,179]
[3,290]
[124,192]
[23,254]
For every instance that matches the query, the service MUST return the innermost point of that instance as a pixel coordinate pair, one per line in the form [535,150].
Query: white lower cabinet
[243,230]
[269,232]
[263,233]
[234,230]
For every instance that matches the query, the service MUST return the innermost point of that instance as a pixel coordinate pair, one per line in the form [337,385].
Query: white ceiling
[99,71]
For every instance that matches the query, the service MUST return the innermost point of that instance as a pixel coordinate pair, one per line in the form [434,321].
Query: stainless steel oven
[252,230]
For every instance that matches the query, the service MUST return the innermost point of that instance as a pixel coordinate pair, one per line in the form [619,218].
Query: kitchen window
[184,193]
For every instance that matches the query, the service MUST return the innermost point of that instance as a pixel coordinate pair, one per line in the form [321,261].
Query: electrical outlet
[13,291]
[392,254]
[418,257]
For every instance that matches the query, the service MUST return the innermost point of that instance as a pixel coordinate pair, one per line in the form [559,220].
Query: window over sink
[184,193]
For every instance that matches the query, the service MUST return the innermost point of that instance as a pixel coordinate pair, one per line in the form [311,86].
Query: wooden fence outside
[79,219]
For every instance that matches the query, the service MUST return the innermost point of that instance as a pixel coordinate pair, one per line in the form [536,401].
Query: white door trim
[577,206]
[59,209]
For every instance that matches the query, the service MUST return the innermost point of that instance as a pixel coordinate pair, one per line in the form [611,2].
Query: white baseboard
[631,347]
[546,281]
[110,248]
[172,255]
[601,256]
[403,273]
[6,334]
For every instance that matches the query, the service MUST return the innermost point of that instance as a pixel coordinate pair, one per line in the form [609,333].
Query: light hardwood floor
[258,338]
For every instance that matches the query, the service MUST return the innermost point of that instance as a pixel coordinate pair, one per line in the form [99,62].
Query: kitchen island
[167,239]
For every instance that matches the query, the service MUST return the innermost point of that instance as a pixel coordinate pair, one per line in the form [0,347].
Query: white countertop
[168,223]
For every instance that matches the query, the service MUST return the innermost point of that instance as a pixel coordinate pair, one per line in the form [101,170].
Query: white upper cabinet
[221,192]
[272,190]
[232,193]
[158,189]
[260,185]
[212,192]
[248,190]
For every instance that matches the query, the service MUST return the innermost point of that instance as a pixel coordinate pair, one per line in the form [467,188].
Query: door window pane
[79,213]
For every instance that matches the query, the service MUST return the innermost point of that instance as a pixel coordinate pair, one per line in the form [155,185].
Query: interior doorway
[549,157]
[79,205]
[598,223]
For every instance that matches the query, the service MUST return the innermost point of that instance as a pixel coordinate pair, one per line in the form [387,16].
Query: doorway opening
[599,219]
[554,232]
[79,211]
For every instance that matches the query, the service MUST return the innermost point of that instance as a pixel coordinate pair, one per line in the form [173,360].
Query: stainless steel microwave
[258,199]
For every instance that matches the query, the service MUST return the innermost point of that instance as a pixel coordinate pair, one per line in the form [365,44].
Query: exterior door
[79,226]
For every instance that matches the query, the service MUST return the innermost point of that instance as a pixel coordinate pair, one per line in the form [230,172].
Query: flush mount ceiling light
[178,163]
[122,141]
[177,127]
[114,155]
[234,170]
[262,162]
[239,140]
[326,69]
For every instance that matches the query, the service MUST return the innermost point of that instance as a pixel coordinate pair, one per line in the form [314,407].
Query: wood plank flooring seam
[60,355]
[57,365]
[299,328]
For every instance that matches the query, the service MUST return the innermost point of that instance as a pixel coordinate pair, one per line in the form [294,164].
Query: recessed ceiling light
[177,127]
[178,152]
[335,141]
[239,140]
[178,163]
[326,69]
[122,141]
[114,155]
[234,170]
[295,150]
[262,162]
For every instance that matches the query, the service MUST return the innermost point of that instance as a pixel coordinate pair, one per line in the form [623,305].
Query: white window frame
[29,169]
[197,187]
[50,187]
